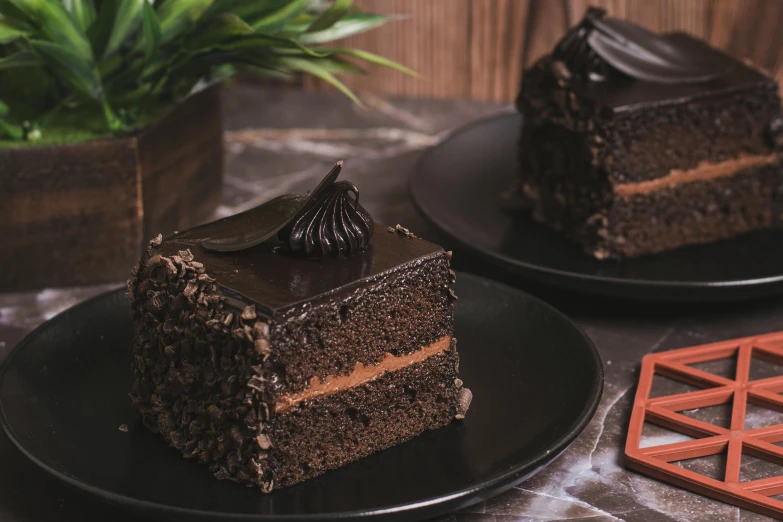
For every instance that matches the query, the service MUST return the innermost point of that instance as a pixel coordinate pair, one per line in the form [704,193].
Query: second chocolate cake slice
[295,338]
[635,143]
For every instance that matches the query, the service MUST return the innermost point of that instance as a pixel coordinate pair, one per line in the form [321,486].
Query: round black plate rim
[503,260]
[494,484]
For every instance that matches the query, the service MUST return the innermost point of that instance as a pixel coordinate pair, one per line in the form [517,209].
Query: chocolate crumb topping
[775,133]
[464,398]
[401,230]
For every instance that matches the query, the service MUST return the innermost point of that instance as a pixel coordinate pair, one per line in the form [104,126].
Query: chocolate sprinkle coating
[775,133]
[464,398]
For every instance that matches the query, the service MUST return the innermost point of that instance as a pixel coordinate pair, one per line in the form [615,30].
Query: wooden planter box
[81,213]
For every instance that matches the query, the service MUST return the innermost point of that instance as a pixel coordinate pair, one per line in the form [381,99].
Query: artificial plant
[74,70]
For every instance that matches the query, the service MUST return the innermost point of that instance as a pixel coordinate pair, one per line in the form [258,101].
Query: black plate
[536,379]
[457,187]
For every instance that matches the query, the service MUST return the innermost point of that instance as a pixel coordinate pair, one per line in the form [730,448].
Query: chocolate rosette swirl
[333,223]
[575,51]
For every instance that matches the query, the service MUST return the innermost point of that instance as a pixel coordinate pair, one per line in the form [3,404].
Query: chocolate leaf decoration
[254,226]
[327,222]
[636,52]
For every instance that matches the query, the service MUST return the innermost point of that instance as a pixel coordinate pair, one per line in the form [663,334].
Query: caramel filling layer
[705,171]
[361,374]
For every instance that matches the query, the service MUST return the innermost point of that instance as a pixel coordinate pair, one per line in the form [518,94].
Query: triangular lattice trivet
[711,439]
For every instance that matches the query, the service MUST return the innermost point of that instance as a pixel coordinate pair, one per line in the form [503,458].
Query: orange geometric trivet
[733,442]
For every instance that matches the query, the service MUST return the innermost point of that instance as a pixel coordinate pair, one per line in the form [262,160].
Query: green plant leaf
[71,67]
[9,31]
[11,12]
[3,108]
[352,23]
[83,11]
[56,24]
[338,66]
[151,31]
[126,19]
[20,59]
[222,29]
[258,41]
[100,30]
[15,132]
[128,77]
[370,58]
[219,7]
[135,54]
[28,90]
[278,18]
[319,71]
[331,16]
[178,15]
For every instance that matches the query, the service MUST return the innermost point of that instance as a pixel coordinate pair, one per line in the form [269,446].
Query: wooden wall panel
[477,48]
[429,36]
[495,67]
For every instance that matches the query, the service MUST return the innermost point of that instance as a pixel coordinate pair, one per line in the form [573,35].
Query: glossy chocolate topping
[274,280]
[599,87]
[328,222]
[599,46]
[622,93]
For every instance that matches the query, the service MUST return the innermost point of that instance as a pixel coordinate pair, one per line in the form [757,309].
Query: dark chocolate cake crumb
[249,313]
[123,428]
[775,133]
[401,230]
[464,398]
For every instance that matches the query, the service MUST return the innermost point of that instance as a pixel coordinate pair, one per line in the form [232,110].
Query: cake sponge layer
[684,214]
[328,432]
[397,313]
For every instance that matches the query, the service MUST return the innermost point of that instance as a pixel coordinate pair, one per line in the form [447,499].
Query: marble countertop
[280,141]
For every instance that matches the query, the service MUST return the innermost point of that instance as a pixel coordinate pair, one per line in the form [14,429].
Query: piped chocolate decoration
[331,223]
[600,46]
[573,54]
[328,222]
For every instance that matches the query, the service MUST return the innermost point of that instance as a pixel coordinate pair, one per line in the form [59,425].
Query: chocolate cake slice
[635,143]
[294,338]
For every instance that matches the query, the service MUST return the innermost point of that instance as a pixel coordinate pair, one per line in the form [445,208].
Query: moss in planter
[81,126]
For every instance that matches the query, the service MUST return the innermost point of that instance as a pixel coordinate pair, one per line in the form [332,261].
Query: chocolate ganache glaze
[328,222]
[600,46]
